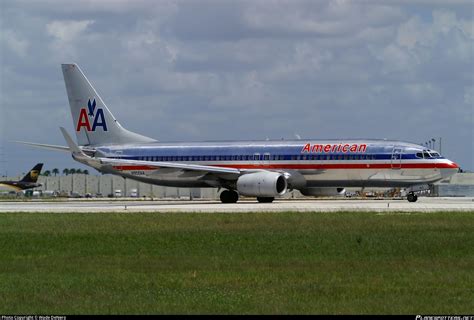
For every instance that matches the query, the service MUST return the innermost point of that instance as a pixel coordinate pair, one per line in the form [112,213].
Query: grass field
[242,263]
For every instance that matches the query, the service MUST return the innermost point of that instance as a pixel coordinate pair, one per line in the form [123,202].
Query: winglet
[72,145]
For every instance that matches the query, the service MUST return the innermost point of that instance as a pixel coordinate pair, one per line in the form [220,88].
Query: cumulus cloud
[185,70]
[66,31]
[14,42]
[66,34]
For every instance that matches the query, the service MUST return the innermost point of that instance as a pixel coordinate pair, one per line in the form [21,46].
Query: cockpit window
[426,155]
[435,154]
[419,155]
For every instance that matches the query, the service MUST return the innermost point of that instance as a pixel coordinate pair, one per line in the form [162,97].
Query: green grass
[271,263]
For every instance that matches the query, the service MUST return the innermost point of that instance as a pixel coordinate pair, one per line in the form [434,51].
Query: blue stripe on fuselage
[285,152]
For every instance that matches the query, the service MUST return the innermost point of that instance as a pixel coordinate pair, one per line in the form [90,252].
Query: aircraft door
[396,161]
[266,159]
[256,159]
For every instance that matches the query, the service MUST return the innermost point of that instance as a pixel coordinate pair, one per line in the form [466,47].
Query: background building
[80,185]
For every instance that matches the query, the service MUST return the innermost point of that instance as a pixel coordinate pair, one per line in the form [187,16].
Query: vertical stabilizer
[93,122]
[32,176]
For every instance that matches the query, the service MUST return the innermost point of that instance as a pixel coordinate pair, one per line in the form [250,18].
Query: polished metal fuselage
[379,163]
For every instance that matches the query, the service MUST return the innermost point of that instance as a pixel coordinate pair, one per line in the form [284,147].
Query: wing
[129,164]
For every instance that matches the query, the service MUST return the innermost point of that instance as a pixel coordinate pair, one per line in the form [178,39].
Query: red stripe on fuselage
[132,167]
[344,166]
[327,166]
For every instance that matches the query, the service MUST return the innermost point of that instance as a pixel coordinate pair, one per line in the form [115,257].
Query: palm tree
[78,171]
[85,171]
[66,171]
[72,171]
[47,173]
[55,171]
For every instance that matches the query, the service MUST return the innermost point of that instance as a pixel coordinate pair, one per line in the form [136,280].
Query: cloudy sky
[215,70]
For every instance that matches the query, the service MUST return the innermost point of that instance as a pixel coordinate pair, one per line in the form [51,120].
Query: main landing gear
[229,196]
[411,197]
[265,199]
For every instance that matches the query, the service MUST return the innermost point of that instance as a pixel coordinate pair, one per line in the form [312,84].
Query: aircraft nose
[453,164]
[450,168]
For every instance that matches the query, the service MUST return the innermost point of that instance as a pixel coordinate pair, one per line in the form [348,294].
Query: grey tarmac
[424,204]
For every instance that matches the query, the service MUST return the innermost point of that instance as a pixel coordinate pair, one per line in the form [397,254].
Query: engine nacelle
[262,184]
[323,192]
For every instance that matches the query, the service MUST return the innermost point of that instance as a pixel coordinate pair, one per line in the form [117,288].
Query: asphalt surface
[424,204]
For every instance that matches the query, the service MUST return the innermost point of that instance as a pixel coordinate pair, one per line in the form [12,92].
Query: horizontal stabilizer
[45,146]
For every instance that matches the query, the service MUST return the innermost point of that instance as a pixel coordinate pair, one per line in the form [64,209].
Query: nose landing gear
[412,197]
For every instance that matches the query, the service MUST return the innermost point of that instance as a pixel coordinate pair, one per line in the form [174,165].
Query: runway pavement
[424,204]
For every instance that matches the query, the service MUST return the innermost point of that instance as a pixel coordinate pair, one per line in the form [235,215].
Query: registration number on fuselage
[137,173]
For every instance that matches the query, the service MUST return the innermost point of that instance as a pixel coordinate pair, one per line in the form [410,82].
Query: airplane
[261,169]
[28,181]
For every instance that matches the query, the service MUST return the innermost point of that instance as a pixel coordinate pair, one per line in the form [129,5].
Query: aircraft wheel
[265,199]
[229,196]
[412,197]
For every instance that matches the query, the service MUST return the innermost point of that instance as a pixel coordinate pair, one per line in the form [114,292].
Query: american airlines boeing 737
[261,169]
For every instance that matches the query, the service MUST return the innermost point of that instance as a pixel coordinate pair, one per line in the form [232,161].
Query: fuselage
[17,185]
[321,163]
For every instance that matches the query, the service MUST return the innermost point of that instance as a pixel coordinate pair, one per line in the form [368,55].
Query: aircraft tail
[32,176]
[93,122]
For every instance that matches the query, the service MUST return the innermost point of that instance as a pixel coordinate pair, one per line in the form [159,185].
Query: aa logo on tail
[91,115]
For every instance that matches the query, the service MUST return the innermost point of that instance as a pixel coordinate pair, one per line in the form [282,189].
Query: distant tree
[47,173]
[66,171]
[85,171]
[72,171]
[55,171]
[78,171]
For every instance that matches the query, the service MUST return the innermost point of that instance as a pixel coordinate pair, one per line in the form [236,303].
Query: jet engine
[262,184]
[323,192]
